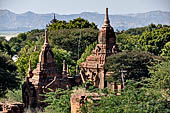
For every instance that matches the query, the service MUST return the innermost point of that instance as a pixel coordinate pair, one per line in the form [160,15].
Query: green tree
[61,55]
[15,43]
[8,76]
[22,62]
[4,46]
[73,40]
[153,41]
[86,53]
[58,25]
[166,50]
[127,42]
[27,54]
[132,100]
[58,101]
[78,23]
[135,63]
[14,95]
[161,76]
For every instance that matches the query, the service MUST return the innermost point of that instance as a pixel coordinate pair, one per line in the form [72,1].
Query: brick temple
[46,75]
[93,68]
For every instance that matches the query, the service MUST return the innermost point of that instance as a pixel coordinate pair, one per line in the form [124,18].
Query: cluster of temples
[46,75]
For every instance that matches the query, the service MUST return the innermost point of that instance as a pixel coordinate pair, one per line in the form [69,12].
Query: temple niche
[45,76]
[93,68]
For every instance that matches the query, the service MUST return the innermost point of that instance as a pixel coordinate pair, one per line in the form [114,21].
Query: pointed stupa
[46,37]
[30,69]
[107,35]
[54,19]
[106,20]
[46,55]
[54,16]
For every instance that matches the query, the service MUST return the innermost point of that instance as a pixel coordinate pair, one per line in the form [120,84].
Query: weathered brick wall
[11,107]
[77,100]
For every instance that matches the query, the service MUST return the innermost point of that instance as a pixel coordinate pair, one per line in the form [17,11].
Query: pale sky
[78,6]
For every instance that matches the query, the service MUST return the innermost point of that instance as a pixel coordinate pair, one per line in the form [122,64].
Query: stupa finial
[106,20]
[46,37]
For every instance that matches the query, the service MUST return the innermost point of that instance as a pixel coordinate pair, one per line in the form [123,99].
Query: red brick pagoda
[93,68]
[43,77]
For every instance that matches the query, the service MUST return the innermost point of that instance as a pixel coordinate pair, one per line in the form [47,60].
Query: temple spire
[106,20]
[46,37]
[30,74]
[54,16]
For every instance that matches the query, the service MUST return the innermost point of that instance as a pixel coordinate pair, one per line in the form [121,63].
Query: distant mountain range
[10,21]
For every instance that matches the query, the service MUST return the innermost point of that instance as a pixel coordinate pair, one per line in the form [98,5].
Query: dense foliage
[131,100]
[86,53]
[155,40]
[77,23]
[8,75]
[133,63]
[4,46]
[161,77]
[166,50]
[151,38]
[59,101]
[74,40]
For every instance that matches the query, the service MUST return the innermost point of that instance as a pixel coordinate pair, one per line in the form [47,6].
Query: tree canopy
[8,75]
[77,23]
[131,100]
[134,63]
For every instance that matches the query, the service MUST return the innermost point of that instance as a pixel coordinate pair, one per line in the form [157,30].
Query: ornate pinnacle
[46,37]
[106,20]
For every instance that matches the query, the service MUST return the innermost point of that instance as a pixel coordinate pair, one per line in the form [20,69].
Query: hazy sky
[78,6]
